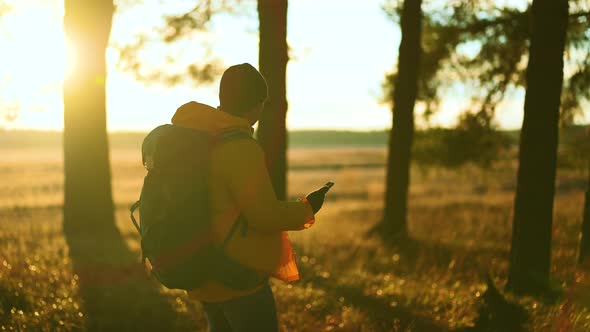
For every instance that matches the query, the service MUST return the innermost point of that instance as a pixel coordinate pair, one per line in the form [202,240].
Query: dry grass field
[460,221]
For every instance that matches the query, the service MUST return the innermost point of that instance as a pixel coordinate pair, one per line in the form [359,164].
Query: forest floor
[459,220]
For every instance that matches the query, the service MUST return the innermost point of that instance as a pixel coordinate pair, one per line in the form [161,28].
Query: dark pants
[254,312]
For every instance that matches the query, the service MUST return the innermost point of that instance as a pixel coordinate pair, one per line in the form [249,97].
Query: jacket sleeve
[249,184]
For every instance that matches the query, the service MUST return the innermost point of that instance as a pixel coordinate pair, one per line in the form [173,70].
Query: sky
[340,52]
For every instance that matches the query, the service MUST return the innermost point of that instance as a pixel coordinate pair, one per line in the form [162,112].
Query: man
[240,186]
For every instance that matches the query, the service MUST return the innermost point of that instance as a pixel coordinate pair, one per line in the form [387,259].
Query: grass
[460,221]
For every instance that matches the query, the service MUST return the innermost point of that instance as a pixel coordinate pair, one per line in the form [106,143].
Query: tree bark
[585,241]
[110,279]
[533,209]
[88,204]
[394,223]
[273,58]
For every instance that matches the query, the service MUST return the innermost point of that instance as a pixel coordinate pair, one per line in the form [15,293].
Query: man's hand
[316,198]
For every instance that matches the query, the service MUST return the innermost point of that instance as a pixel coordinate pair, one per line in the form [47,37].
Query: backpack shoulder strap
[241,221]
[132,209]
[224,137]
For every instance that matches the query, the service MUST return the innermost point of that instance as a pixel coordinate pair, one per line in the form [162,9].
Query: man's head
[242,92]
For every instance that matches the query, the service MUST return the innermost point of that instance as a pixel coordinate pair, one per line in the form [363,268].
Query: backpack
[175,218]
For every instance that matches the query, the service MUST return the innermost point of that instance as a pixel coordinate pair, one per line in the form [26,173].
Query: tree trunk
[533,208]
[88,204]
[273,58]
[394,223]
[585,241]
[110,279]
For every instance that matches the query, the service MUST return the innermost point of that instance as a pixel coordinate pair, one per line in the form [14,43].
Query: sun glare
[69,59]
[34,50]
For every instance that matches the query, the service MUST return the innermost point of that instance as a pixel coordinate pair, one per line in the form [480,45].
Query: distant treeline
[316,138]
[23,139]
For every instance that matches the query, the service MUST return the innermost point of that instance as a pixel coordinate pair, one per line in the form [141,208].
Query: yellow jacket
[240,184]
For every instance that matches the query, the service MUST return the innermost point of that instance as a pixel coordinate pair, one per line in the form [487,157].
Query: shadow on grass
[116,291]
[467,255]
[379,309]
[468,263]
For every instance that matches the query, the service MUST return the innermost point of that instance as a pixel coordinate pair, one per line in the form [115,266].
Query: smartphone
[327,186]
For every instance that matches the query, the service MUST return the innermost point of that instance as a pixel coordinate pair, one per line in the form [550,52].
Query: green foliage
[574,149]
[196,19]
[130,60]
[4,8]
[485,47]
[475,140]
[179,31]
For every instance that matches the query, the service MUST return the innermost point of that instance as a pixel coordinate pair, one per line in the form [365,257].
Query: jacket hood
[204,117]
